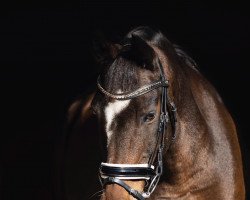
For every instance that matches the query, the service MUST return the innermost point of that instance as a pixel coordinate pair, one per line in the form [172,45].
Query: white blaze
[111,111]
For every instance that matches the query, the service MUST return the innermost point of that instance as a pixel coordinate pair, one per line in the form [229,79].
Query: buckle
[164,83]
[164,117]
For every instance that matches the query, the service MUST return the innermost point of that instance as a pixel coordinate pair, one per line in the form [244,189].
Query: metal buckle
[164,117]
[152,186]
[164,83]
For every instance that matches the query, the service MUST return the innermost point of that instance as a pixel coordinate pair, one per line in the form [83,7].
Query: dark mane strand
[158,39]
[186,58]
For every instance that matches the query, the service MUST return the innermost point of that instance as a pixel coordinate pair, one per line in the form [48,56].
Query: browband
[140,91]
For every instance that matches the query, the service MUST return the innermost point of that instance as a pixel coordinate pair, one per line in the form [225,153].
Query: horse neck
[183,155]
[190,123]
[206,150]
[205,130]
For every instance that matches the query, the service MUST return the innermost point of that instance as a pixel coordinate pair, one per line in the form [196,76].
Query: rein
[116,173]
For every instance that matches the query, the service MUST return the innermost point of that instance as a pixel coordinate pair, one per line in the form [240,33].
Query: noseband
[116,173]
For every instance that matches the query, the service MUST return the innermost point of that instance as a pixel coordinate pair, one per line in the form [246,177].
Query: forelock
[122,74]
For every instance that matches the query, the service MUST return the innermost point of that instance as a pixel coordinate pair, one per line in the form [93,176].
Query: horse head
[132,108]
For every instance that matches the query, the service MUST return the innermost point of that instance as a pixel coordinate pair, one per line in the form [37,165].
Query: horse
[164,130]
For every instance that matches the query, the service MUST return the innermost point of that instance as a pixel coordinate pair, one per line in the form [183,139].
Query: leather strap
[127,171]
[131,191]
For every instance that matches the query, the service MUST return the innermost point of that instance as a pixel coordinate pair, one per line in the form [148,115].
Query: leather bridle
[116,173]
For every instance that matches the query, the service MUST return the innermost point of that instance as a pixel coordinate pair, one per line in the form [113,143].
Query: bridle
[116,173]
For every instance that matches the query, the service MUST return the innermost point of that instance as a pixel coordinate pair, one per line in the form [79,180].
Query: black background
[46,62]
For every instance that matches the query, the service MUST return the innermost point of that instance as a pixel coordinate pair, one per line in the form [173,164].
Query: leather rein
[116,173]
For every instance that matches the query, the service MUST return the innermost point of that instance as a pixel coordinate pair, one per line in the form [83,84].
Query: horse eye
[149,117]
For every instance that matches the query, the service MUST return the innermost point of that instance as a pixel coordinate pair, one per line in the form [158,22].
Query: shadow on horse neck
[204,159]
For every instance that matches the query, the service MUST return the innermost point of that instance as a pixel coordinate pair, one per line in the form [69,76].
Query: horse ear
[144,54]
[103,50]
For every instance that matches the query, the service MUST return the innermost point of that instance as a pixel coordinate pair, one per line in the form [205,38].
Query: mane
[156,38]
[122,75]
